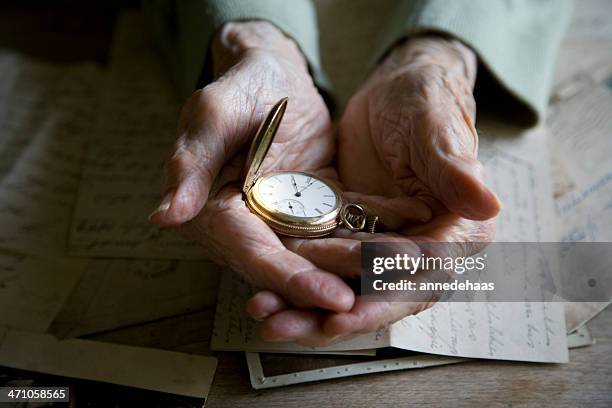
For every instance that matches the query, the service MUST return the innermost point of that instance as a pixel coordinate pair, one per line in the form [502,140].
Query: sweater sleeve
[184,29]
[516,42]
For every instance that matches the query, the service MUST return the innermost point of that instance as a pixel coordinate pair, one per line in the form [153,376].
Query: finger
[264,304]
[314,329]
[304,327]
[299,281]
[254,250]
[195,162]
[463,191]
[210,132]
[341,254]
[393,212]
[452,169]
[367,316]
[462,237]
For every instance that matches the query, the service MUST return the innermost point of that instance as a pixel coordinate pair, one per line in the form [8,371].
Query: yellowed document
[42,148]
[46,110]
[580,338]
[146,368]
[44,121]
[119,293]
[577,314]
[123,173]
[580,124]
[32,290]
[46,113]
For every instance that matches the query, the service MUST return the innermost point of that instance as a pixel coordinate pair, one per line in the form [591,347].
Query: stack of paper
[53,117]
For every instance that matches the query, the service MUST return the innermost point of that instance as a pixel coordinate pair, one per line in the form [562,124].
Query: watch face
[297,195]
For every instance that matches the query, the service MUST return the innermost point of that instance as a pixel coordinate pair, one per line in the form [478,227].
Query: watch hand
[291,208]
[311,183]
[294,184]
[295,187]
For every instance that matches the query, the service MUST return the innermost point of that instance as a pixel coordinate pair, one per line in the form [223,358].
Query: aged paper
[116,293]
[42,145]
[123,172]
[44,110]
[580,129]
[482,330]
[579,137]
[580,338]
[584,148]
[119,293]
[146,368]
[260,380]
[577,314]
[32,290]
[46,113]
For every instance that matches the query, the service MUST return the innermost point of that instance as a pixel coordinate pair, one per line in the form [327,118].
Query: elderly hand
[407,149]
[255,66]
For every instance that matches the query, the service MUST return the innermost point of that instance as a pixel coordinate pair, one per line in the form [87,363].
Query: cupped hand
[408,150]
[255,65]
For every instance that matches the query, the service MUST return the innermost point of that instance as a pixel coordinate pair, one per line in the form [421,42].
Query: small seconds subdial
[289,206]
[297,194]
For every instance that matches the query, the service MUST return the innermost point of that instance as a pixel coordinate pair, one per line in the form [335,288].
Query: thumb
[189,177]
[463,191]
[200,152]
[454,172]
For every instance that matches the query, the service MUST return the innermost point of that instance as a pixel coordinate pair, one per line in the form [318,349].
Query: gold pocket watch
[296,203]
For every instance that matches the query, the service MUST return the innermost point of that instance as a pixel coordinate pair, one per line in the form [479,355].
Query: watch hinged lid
[261,144]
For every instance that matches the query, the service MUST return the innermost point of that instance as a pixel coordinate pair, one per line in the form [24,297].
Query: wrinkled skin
[409,129]
[255,66]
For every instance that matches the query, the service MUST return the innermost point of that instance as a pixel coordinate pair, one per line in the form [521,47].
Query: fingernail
[496,203]
[165,204]
[499,203]
[260,317]
[426,218]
